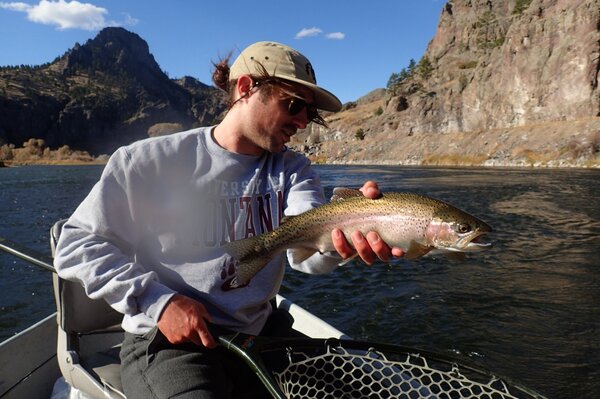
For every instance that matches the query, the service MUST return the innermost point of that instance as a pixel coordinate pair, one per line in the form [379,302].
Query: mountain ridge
[98,96]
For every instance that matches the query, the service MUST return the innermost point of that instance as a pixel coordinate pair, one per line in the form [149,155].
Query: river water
[528,309]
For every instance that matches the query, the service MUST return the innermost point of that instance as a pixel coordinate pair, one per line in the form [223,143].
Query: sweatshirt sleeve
[304,193]
[97,244]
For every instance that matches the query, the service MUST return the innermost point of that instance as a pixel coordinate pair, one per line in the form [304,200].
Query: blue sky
[354,46]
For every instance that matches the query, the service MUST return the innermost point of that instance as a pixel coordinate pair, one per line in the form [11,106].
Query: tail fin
[250,256]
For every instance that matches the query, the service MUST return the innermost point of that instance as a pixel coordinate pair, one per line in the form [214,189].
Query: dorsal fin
[342,193]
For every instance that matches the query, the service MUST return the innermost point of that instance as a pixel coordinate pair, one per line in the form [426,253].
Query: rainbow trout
[418,224]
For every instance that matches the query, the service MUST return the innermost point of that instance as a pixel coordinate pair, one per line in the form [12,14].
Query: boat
[29,367]
[73,354]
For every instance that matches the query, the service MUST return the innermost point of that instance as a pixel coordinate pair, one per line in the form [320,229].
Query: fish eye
[463,228]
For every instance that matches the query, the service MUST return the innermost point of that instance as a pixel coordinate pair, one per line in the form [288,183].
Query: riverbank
[557,144]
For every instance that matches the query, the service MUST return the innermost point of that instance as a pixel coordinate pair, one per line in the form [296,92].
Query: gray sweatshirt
[155,222]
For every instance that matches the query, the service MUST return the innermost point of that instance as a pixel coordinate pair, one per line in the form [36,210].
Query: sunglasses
[295,105]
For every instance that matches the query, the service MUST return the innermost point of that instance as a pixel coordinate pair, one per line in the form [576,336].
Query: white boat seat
[89,337]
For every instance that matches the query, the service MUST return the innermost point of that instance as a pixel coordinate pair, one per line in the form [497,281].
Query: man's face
[270,122]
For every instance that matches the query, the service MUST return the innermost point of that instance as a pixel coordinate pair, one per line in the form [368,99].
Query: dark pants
[152,367]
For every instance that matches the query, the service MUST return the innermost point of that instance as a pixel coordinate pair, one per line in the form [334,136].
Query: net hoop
[332,368]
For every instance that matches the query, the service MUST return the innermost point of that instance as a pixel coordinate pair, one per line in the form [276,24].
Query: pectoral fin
[416,250]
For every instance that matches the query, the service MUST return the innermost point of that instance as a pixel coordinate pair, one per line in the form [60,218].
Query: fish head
[457,231]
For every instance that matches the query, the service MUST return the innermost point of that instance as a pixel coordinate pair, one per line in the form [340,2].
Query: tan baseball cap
[283,62]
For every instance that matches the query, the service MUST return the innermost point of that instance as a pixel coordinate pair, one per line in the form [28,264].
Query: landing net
[341,372]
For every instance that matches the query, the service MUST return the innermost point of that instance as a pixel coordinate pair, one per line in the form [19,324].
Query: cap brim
[324,99]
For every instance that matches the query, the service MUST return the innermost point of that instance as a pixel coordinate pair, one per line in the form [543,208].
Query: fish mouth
[473,242]
[476,242]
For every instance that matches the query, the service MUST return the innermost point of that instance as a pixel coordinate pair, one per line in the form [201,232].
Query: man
[148,237]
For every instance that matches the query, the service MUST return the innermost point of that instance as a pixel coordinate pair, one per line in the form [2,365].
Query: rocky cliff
[502,82]
[100,95]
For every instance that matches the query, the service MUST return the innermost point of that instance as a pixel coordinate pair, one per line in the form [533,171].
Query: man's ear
[244,85]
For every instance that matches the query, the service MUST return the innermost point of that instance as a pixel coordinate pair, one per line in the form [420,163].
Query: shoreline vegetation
[35,152]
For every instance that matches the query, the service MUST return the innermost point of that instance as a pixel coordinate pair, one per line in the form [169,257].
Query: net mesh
[351,373]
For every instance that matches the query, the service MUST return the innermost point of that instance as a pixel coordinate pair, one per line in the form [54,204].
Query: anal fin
[301,254]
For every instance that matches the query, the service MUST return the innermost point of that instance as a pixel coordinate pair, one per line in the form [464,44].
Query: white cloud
[15,6]
[67,14]
[336,36]
[308,32]
[314,31]
[129,20]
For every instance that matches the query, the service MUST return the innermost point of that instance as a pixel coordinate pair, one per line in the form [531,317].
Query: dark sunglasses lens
[295,106]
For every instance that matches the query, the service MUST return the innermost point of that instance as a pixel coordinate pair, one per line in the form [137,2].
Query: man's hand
[369,248]
[184,320]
